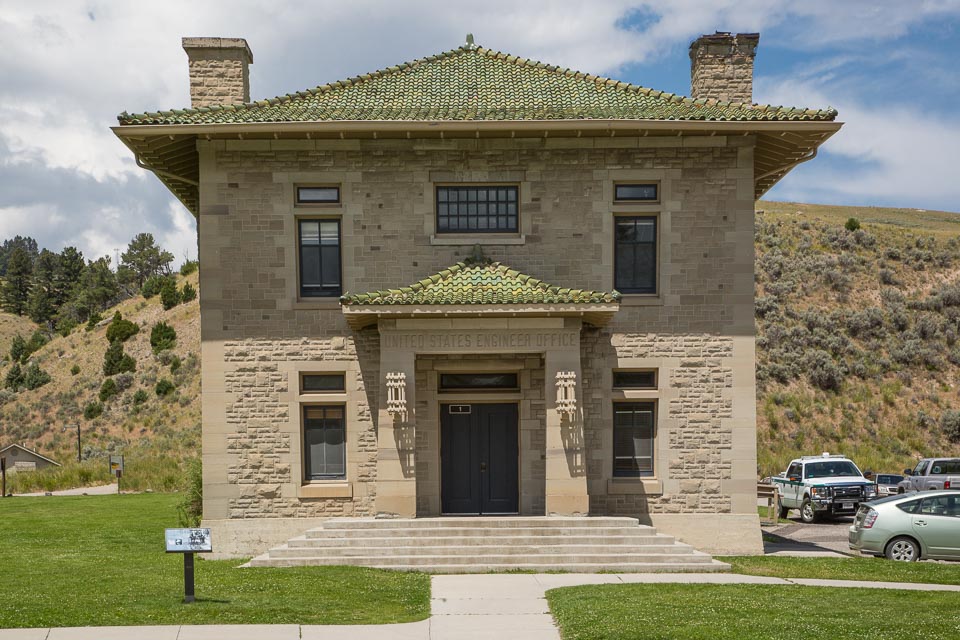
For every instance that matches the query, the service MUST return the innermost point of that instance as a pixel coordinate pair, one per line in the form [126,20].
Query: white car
[823,485]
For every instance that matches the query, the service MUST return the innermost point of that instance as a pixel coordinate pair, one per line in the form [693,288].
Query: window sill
[478,238]
[317,304]
[326,489]
[634,486]
[641,300]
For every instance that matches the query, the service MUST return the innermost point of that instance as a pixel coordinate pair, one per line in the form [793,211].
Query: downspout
[161,172]
[806,158]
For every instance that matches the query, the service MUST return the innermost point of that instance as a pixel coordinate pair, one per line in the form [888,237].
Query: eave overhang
[170,151]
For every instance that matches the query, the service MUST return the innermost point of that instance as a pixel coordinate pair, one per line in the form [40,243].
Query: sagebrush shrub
[823,371]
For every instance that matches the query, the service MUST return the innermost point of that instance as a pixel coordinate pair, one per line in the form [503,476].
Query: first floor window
[633,435]
[635,254]
[324,442]
[319,258]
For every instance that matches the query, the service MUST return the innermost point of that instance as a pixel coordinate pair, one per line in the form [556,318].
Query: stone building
[477,284]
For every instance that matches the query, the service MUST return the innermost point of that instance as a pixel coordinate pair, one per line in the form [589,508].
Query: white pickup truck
[823,485]
[931,474]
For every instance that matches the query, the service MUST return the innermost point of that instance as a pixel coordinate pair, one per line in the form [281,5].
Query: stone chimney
[721,66]
[219,70]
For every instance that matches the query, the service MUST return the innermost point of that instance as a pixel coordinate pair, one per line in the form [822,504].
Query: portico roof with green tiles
[474,83]
[473,287]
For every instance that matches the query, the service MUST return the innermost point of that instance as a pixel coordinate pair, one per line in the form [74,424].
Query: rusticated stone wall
[258,336]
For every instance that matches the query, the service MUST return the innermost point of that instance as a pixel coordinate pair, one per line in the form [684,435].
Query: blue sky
[70,66]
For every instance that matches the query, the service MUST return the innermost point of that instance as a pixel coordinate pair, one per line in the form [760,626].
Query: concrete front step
[502,559]
[470,552]
[617,566]
[465,545]
[638,539]
[483,522]
[464,531]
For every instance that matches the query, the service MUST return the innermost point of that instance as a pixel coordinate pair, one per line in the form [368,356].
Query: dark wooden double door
[479,456]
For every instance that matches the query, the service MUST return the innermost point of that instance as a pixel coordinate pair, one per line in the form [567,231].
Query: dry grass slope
[160,432]
[857,333]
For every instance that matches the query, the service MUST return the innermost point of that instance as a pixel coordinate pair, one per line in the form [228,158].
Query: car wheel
[903,549]
[782,510]
[900,491]
[807,514]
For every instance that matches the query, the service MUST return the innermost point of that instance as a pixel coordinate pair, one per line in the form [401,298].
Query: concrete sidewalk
[463,607]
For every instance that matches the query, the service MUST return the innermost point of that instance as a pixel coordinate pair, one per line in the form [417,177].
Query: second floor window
[477,209]
[319,258]
[635,254]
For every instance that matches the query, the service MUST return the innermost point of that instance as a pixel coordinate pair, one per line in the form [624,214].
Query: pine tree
[144,258]
[42,304]
[16,289]
[14,379]
[27,244]
[18,349]
[98,288]
[70,269]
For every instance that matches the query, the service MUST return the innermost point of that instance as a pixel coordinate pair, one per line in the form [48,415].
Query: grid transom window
[477,209]
[324,449]
[635,256]
[319,258]
[633,431]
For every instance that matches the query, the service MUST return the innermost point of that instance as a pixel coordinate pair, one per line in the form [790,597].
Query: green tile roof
[472,83]
[483,283]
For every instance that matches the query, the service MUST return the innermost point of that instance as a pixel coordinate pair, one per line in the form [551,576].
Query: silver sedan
[909,527]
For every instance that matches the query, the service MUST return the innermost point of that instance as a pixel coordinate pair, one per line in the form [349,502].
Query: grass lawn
[99,560]
[876,569]
[750,612]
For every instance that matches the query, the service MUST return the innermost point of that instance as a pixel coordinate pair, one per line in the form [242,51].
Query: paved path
[463,607]
[100,490]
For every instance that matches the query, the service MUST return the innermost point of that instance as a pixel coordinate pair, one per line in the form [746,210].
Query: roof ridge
[598,80]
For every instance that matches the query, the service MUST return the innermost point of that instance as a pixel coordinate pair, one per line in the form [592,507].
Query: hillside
[156,434]
[857,350]
[857,334]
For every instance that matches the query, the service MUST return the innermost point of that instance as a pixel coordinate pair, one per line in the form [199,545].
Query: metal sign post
[188,542]
[3,474]
[116,468]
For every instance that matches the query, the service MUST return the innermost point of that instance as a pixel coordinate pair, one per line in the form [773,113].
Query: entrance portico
[520,325]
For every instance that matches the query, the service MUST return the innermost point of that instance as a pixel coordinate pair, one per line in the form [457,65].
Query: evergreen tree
[16,289]
[35,377]
[169,295]
[18,349]
[14,379]
[70,269]
[29,246]
[116,361]
[42,304]
[144,258]
[97,290]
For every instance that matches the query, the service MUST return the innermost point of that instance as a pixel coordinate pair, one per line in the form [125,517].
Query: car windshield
[889,479]
[831,469]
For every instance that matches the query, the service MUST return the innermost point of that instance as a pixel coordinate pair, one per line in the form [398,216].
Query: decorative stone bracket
[567,392]
[397,394]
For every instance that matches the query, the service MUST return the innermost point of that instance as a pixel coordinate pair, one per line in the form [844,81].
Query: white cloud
[898,154]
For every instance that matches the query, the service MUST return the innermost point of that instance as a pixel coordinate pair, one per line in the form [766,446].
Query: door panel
[498,429]
[479,459]
[459,449]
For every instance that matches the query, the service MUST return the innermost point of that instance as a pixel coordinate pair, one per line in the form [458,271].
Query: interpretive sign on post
[116,468]
[188,542]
